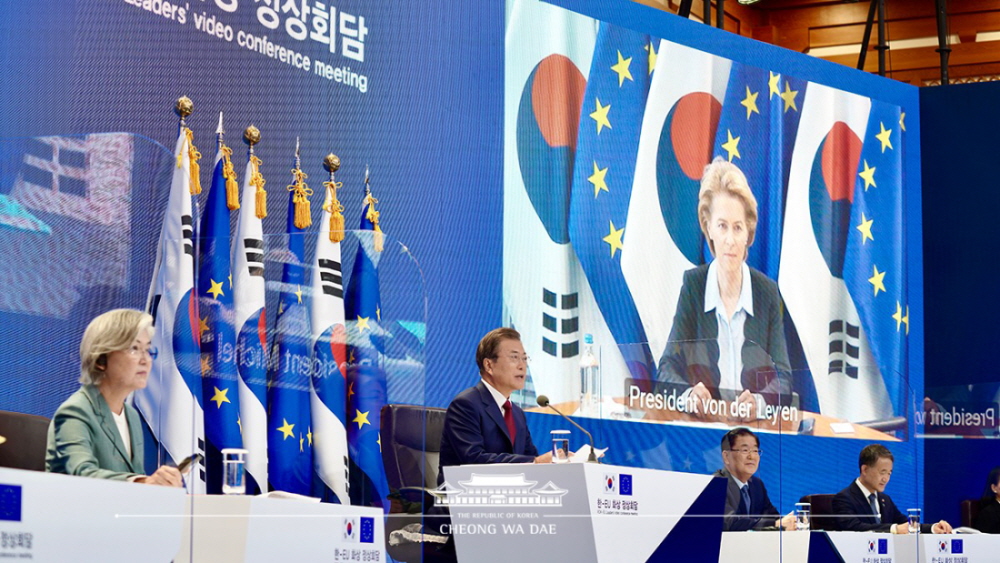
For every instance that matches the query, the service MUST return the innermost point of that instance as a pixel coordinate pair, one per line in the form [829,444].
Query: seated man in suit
[482,425]
[864,507]
[747,504]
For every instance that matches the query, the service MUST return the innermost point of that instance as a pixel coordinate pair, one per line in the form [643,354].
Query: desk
[62,518]
[583,512]
[241,528]
[821,425]
[856,547]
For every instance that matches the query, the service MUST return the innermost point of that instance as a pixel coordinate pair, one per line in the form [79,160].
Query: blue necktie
[872,501]
[745,491]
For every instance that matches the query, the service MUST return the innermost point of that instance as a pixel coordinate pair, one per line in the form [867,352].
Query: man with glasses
[747,505]
[482,425]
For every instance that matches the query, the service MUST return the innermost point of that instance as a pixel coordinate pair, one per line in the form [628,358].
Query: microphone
[543,401]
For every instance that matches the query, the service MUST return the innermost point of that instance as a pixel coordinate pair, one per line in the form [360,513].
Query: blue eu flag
[602,181]
[366,380]
[220,391]
[290,463]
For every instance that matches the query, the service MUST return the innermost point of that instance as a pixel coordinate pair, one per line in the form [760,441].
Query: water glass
[913,520]
[234,469]
[802,512]
[560,446]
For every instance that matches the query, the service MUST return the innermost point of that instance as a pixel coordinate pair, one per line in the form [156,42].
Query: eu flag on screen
[220,392]
[603,171]
[290,463]
[366,380]
[874,271]
[757,127]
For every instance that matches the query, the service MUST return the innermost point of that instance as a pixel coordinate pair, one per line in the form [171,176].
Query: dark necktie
[745,491]
[872,501]
[508,417]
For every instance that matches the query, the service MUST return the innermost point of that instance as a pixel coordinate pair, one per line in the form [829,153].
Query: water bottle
[590,378]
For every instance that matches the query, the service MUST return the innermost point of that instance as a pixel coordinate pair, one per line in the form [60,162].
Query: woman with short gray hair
[95,433]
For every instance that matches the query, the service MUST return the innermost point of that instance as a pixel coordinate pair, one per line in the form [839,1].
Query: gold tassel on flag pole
[300,197]
[251,136]
[372,215]
[184,107]
[228,172]
[332,204]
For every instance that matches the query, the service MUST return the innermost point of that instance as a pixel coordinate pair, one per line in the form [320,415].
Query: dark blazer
[854,514]
[761,510]
[692,353]
[84,440]
[475,432]
[988,519]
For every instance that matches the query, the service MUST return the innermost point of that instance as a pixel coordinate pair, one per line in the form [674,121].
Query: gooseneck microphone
[543,401]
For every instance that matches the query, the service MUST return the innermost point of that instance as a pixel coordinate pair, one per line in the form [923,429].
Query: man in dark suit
[747,505]
[482,425]
[864,507]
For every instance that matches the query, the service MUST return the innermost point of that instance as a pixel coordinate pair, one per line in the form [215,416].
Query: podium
[48,517]
[583,512]
[258,529]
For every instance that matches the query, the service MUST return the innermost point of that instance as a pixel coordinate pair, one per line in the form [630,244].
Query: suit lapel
[494,411]
[107,422]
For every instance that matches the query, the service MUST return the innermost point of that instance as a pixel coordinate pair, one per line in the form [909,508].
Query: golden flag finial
[301,192]
[251,136]
[332,204]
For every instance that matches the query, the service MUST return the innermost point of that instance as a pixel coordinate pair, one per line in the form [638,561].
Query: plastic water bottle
[590,378]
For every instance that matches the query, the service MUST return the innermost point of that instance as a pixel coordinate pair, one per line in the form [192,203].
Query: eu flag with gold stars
[366,378]
[607,144]
[874,270]
[220,393]
[289,444]
[757,127]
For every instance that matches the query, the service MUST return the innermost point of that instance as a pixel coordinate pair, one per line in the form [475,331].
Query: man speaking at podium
[482,425]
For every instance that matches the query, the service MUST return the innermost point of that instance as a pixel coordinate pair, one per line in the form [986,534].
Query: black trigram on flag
[845,351]
[330,277]
[560,324]
[255,256]
[187,233]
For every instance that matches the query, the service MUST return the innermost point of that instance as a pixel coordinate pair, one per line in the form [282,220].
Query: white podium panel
[764,547]
[224,529]
[46,517]
[577,512]
[954,548]
[857,547]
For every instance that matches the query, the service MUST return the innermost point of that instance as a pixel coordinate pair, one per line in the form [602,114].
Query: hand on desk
[941,527]
[165,476]
[699,396]
[786,523]
[746,397]
[544,458]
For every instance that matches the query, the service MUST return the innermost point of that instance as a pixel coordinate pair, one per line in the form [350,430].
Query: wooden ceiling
[833,30]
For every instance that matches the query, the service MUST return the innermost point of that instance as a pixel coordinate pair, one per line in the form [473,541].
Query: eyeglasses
[136,352]
[516,358]
[748,451]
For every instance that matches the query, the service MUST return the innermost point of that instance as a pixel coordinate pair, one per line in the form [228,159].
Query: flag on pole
[757,127]
[171,402]
[874,267]
[663,238]
[290,439]
[250,321]
[366,378]
[329,375]
[602,184]
[220,390]
[823,179]
[547,51]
